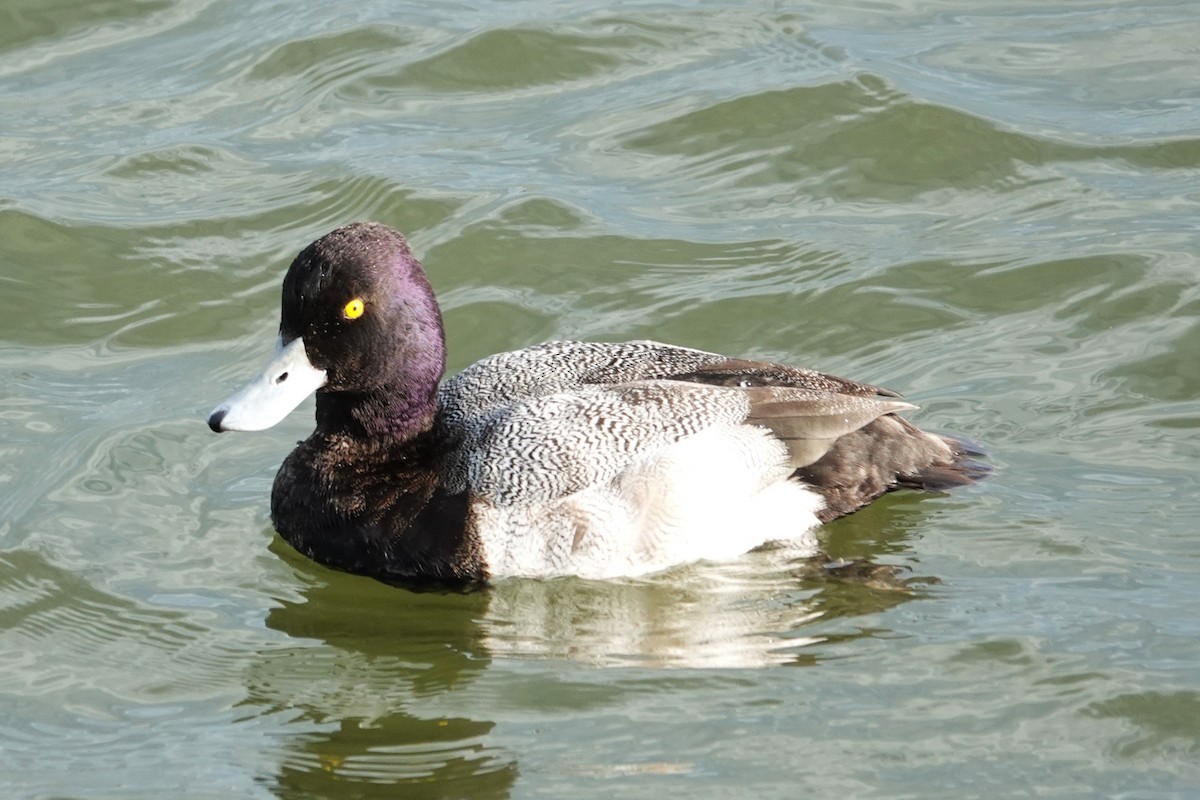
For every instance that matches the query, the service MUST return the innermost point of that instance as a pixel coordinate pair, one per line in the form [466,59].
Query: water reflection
[768,608]
[744,614]
[371,697]
[388,680]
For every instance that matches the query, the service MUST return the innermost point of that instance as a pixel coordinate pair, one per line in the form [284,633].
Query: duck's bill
[266,400]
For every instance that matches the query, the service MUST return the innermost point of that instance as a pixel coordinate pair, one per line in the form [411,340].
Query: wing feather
[543,422]
[551,446]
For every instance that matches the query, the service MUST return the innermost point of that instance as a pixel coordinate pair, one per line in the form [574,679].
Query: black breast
[375,511]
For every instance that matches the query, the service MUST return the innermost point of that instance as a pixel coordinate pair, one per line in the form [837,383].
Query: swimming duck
[566,458]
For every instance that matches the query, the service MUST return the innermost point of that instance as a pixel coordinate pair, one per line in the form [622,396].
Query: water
[990,206]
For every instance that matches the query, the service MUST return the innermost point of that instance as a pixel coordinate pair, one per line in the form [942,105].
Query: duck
[599,460]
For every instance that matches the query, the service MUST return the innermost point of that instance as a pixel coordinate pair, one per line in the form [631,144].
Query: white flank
[711,496]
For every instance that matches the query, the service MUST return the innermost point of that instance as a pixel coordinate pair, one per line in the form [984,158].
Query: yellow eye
[353,309]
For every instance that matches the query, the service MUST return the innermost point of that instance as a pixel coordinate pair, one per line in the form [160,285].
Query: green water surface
[990,206]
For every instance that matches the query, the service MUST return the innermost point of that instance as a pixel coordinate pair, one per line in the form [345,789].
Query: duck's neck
[390,415]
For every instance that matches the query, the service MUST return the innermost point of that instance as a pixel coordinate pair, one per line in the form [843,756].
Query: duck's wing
[809,422]
[554,445]
[505,378]
[554,400]
[744,373]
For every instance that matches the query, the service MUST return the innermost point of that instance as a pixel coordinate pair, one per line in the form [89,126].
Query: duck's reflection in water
[756,611]
[373,673]
[369,679]
[748,613]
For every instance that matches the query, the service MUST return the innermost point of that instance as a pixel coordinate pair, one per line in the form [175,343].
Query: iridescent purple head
[360,326]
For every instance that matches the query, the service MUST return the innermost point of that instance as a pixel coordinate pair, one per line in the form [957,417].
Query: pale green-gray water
[990,206]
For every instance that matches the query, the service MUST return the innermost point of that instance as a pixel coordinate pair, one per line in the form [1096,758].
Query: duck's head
[359,326]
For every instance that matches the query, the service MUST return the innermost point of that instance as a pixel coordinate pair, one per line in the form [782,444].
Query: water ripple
[990,206]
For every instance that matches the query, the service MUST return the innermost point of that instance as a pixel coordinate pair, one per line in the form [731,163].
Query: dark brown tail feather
[939,477]
[887,454]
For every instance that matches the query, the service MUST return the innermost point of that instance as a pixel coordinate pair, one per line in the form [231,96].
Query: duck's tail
[887,454]
[962,468]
